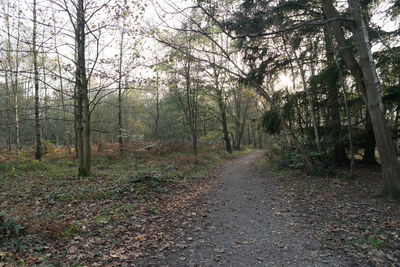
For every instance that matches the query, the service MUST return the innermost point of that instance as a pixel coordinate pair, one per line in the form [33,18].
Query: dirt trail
[243,229]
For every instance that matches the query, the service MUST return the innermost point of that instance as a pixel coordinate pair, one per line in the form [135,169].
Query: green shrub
[271,122]
[9,229]
[321,169]
[4,167]
[291,161]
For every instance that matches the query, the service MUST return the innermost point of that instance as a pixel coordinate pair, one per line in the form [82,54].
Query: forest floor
[347,215]
[162,208]
[121,215]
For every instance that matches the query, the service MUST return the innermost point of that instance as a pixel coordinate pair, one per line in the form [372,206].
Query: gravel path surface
[242,227]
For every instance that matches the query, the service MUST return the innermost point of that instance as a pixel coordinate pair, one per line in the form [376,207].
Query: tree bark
[369,142]
[157,118]
[120,63]
[83,111]
[157,107]
[38,141]
[45,131]
[8,108]
[14,78]
[222,109]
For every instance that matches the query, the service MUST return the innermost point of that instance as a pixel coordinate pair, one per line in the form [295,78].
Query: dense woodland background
[82,74]
[310,74]
[134,95]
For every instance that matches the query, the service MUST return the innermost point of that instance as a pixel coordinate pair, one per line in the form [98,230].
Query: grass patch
[100,195]
[104,218]
[63,199]
[371,242]
[70,231]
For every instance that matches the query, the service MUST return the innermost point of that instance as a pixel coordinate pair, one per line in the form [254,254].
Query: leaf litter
[349,216]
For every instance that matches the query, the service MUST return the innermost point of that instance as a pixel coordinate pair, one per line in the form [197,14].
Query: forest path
[242,227]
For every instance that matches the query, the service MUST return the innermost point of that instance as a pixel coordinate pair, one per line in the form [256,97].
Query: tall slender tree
[82,94]
[38,141]
[124,14]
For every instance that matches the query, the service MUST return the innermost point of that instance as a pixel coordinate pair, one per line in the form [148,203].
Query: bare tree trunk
[38,141]
[8,108]
[14,77]
[222,110]
[239,129]
[46,101]
[369,141]
[121,48]
[86,133]
[76,121]
[190,102]
[16,96]
[83,111]
[248,134]
[157,99]
[16,110]
[79,130]
[396,128]
[157,107]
